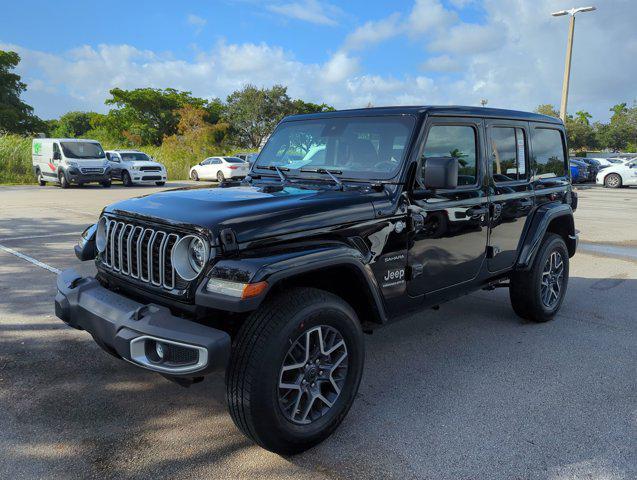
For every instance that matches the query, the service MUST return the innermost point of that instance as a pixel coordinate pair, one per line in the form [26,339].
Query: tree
[147,115]
[547,109]
[583,117]
[619,111]
[15,115]
[254,112]
[298,107]
[72,125]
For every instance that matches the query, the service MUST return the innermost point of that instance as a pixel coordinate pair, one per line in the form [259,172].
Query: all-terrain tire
[525,290]
[126,180]
[256,365]
[64,181]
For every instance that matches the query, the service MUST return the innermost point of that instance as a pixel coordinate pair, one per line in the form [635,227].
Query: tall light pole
[569,51]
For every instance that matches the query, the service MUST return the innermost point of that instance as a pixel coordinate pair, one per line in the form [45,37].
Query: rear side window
[548,153]
[509,154]
[457,141]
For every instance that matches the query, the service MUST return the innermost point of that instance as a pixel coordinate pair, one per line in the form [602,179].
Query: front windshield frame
[131,156]
[408,120]
[69,147]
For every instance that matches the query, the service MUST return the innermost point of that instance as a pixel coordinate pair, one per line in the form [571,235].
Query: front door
[510,189]
[449,248]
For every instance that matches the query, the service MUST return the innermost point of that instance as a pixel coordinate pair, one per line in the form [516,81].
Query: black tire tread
[249,343]
[522,284]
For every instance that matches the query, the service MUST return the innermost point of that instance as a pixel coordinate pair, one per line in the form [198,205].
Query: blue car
[579,171]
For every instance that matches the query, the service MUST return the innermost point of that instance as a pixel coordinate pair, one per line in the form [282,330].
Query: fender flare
[537,228]
[277,267]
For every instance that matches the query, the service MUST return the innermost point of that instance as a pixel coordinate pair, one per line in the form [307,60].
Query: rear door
[450,247]
[510,189]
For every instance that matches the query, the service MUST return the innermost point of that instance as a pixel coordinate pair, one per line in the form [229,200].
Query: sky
[346,54]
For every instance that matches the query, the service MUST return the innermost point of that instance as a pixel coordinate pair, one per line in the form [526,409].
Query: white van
[70,161]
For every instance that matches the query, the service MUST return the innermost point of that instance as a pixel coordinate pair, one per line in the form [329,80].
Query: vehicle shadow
[468,391]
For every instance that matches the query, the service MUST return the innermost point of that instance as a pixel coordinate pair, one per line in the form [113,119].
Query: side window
[215,161]
[548,153]
[206,162]
[509,154]
[457,141]
[56,151]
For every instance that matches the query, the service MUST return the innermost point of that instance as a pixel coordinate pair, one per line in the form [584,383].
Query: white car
[220,169]
[618,175]
[133,166]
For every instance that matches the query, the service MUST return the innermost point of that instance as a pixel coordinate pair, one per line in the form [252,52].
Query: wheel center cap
[311,373]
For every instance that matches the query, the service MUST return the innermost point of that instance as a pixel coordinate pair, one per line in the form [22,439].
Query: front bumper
[131,330]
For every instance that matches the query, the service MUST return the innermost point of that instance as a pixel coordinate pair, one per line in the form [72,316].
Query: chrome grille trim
[141,253]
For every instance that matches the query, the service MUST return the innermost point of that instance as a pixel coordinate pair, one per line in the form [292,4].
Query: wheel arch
[554,218]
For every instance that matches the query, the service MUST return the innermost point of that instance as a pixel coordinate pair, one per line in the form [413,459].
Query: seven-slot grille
[141,252]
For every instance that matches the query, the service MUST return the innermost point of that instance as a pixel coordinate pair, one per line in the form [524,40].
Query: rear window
[233,160]
[548,153]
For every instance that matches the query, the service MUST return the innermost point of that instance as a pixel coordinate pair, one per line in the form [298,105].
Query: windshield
[82,150]
[233,160]
[134,157]
[356,147]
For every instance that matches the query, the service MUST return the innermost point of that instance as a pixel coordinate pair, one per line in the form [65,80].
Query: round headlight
[189,256]
[102,235]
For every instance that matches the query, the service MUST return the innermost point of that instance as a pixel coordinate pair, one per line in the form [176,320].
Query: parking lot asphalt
[465,392]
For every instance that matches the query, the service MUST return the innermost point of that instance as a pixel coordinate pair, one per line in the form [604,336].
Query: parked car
[593,167]
[68,161]
[133,166]
[247,157]
[275,280]
[220,169]
[579,171]
[620,175]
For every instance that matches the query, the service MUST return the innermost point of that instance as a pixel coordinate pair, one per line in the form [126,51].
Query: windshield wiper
[278,170]
[331,173]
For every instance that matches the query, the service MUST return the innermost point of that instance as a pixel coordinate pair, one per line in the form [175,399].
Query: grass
[16,166]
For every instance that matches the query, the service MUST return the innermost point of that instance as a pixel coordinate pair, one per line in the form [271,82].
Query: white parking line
[29,237]
[29,259]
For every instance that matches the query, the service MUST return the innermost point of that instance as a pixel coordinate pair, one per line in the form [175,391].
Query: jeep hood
[251,211]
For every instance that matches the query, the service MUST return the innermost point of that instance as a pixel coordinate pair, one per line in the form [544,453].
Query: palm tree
[583,116]
[618,110]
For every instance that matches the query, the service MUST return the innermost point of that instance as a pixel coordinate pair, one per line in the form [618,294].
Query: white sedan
[618,175]
[220,169]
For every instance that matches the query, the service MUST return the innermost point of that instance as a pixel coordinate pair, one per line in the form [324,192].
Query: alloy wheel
[313,374]
[552,280]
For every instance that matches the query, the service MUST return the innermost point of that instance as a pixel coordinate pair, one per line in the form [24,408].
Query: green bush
[15,159]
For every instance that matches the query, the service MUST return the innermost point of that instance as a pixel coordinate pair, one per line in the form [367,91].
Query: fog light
[159,350]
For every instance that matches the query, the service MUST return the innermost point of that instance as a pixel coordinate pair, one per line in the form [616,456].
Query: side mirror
[57,156]
[440,173]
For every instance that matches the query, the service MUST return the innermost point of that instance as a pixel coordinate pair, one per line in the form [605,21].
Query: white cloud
[312,11]
[197,22]
[514,58]
[442,63]
[374,32]
[428,15]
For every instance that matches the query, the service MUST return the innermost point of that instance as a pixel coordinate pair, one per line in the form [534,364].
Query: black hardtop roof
[452,110]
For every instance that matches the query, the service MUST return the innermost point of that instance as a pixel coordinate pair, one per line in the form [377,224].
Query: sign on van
[37,148]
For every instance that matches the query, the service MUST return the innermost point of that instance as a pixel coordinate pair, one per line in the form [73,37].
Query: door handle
[477,212]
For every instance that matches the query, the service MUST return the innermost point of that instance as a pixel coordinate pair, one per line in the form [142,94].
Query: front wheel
[294,371]
[537,294]
[126,180]
[613,181]
[64,181]
[194,176]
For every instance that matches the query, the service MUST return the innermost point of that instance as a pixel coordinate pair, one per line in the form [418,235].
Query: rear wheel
[40,178]
[126,180]
[220,176]
[106,184]
[194,176]
[295,369]
[537,294]
[613,180]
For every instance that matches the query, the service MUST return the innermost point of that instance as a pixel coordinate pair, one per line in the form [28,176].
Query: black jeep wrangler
[348,220]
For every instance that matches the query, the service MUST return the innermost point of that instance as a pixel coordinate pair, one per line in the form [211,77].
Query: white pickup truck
[133,166]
